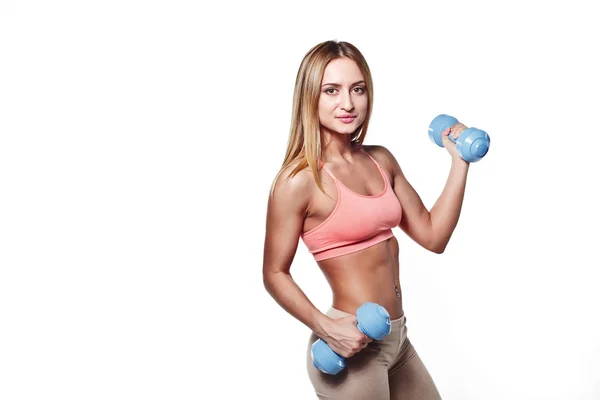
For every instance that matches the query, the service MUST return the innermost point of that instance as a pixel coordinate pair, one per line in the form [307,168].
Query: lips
[347,119]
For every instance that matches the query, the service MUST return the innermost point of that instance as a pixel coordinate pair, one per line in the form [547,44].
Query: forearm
[446,210]
[291,298]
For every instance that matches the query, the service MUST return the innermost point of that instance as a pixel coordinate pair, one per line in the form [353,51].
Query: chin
[350,129]
[343,132]
[342,129]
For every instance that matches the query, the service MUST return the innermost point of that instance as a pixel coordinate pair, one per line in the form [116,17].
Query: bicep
[286,211]
[416,220]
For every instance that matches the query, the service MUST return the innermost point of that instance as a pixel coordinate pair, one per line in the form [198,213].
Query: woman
[343,198]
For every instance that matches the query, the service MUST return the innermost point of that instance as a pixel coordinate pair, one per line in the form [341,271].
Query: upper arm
[416,220]
[286,211]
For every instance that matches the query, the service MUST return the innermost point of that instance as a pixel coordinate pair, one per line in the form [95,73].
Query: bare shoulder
[292,190]
[286,212]
[384,157]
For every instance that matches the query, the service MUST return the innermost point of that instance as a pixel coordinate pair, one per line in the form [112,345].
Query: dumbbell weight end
[373,320]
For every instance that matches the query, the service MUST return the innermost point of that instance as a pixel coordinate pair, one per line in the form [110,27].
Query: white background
[138,144]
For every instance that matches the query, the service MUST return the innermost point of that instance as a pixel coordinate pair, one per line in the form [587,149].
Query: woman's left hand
[455,132]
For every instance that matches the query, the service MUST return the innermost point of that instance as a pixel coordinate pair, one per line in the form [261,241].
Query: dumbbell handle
[372,320]
[472,144]
[452,138]
[360,328]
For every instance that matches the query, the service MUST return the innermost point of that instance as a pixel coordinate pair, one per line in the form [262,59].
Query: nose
[346,102]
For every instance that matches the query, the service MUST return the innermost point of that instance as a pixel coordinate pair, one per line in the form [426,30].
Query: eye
[360,89]
[328,90]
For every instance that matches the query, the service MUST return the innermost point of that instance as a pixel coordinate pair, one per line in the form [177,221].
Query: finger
[346,353]
[451,131]
[458,129]
[446,132]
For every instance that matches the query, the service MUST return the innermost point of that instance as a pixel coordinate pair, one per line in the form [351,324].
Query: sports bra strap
[327,170]
[360,148]
[375,161]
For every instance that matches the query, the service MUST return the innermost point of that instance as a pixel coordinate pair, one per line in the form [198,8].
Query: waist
[395,322]
[391,305]
[354,286]
[368,275]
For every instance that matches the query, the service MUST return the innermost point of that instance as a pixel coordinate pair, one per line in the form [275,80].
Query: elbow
[270,280]
[437,242]
[267,281]
[438,250]
[437,247]
[268,285]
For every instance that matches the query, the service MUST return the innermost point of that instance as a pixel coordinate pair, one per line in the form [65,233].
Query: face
[343,101]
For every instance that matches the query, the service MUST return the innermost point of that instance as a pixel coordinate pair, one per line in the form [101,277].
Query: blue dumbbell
[472,144]
[372,319]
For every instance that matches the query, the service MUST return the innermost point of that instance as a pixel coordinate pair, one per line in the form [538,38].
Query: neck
[337,147]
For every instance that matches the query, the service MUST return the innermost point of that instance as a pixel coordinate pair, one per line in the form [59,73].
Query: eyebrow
[337,84]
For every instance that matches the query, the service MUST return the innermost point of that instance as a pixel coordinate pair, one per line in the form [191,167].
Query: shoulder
[292,188]
[378,150]
[383,156]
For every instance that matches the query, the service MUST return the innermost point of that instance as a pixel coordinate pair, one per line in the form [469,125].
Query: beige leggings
[388,369]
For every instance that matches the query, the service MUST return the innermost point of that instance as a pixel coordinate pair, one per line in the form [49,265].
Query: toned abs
[370,274]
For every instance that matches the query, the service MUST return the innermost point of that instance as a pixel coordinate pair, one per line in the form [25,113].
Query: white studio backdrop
[138,142]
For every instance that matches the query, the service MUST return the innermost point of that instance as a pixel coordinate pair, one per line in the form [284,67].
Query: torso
[371,274]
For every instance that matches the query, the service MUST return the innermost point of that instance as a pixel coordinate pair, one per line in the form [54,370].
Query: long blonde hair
[304,143]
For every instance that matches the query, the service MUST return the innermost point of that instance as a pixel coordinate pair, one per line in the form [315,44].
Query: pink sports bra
[356,222]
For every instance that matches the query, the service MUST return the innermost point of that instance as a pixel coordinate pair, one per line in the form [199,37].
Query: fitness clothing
[387,369]
[356,222]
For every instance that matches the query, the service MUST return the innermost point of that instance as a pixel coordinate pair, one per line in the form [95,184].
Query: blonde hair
[304,143]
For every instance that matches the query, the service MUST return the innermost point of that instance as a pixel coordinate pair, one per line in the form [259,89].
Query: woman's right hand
[343,337]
